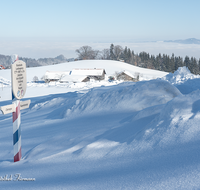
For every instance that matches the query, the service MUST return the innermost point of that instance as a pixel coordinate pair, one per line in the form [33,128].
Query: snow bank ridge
[125,96]
[180,76]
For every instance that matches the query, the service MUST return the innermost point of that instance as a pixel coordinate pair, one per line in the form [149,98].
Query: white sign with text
[18,73]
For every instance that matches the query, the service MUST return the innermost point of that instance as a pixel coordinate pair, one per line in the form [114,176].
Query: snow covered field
[105,135]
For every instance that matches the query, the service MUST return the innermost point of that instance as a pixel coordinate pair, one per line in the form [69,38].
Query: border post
[19,84]
[16,120]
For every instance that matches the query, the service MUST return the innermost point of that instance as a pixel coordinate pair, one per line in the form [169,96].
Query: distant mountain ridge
[186,41]
[5,61]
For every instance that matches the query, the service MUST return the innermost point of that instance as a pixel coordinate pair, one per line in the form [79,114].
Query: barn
[76,75]
[54,75]
[74,78]
[127,76]
[96,74]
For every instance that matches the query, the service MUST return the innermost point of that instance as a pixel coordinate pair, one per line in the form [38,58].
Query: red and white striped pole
[16,122]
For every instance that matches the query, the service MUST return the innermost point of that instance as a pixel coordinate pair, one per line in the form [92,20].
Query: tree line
[159,62]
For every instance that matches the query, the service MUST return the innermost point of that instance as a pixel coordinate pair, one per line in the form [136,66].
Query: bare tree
[105,54]
[35,79]
[117,51]
[86,52]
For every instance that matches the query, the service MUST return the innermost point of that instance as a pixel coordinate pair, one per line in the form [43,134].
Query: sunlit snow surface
[106,135]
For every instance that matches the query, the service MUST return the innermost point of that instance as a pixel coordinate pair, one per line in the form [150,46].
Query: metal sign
[18,73]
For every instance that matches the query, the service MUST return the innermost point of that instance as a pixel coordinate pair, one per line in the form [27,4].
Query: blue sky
[129,19]
[98,20]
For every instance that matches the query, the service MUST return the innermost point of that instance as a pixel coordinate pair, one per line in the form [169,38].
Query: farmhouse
[96,74]
[74,78]
[54,75]
[76,75]
[127,76]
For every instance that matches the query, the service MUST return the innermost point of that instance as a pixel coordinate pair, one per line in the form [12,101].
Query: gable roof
[88,72]
[73,78]
[55,74]
[127,73]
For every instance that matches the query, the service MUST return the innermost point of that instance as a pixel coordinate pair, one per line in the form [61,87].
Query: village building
[51,76]
[76,75]
[127,76]
[74,78]
[96,74]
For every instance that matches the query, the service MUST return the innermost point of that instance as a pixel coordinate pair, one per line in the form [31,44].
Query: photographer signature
[16,177]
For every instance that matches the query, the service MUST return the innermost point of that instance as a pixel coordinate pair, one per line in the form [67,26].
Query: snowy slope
[42,89]
[110,67]
[142,135]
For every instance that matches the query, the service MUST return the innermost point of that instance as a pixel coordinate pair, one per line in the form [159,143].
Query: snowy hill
[53,88]
[106,135]
[110,67]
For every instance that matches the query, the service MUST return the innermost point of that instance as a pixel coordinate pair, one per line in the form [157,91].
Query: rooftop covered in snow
[88,72]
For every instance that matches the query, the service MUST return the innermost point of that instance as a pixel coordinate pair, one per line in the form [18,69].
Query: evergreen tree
[178,62]
[143,59]
[132,58]
[154,62]
[172,63]
[187,61]
[112,56]
[125,54]
[129,56]
[194,68]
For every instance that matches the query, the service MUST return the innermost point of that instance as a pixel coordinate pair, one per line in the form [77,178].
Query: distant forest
[159,62]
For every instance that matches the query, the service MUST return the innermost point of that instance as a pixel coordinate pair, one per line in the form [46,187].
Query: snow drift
[180,76]
[178,121]
[184,80]
[142,135]
[125,96]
